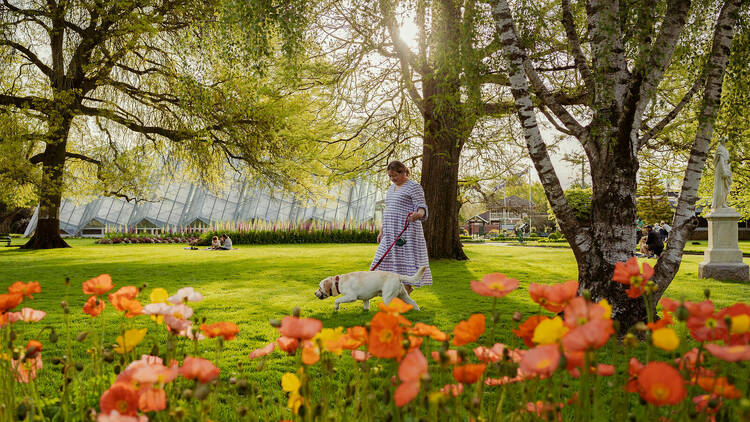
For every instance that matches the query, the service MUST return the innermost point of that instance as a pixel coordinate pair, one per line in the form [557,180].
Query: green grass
[253,284]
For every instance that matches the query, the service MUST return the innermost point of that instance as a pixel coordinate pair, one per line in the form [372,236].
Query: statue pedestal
[723,257]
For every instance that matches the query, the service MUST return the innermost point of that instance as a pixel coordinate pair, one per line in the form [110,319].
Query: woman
[403,197]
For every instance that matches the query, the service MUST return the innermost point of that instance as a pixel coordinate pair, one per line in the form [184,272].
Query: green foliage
[294,235]
[580,202]
[653,205]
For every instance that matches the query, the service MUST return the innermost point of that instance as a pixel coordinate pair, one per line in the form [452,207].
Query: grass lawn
[253,284]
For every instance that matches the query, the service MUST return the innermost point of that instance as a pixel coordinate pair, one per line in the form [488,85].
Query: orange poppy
[662,323]
[494,285]
[288,344]
[268,348]
[225,329]
[707,403]
[541,360]
[579,311]
[301,328]
[130,292]
[634,368]
[94,306]
[450,357]
[526,329]
[152,399]
[3,320]
[415,342]
[33,348]
[386,339]
[25,289]
[630,274]
[592,335]
[424,330]
[201,369]
[396,306]
[131,307]
[120,397]
[310,353]
[354,337]
[719,386]
[468,331]
[9,301]
[98,285]
[553,297]
[729,353]
[468,374]
[661,384]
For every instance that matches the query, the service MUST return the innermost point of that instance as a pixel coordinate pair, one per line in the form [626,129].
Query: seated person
[227,242]
[215,243]
[653,242]
[642,248]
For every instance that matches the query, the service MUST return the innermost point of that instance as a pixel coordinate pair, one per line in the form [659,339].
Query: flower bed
[404,370]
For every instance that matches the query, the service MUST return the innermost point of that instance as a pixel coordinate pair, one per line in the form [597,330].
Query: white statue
[722,177]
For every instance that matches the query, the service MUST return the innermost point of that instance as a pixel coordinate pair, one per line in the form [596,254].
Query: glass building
[189,205]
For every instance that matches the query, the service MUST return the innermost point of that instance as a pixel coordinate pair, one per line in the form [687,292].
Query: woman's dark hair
[398,167]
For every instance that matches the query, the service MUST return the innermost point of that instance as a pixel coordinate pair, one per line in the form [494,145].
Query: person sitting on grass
[226,241]
[642,248]
[215,244]
[653,242]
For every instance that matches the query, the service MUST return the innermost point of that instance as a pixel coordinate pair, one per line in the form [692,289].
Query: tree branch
[575,46]
[29,55]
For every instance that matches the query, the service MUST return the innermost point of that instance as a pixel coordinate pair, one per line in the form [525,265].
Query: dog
[364,285]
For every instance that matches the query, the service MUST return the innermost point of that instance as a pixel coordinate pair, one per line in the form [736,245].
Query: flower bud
[117,369]
[242,410]
[682,313]
[201,391]
[586,293]
[651,287]
[108,356]
[79,366]
[187,394]
[243,386]
[53,337]
[67,281]
[517,316]
[82,336]
[233,380]
[64,304]
[276,323]
[707,294]
[630,340]
[296,312]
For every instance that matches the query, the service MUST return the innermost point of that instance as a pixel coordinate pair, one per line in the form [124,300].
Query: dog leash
[406,225]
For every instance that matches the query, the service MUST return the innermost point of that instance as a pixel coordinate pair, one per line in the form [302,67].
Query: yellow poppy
[131,339]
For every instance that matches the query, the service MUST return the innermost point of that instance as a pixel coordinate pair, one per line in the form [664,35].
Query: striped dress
[406,259]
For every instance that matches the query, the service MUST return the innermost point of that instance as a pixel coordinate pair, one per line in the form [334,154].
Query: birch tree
[621,59]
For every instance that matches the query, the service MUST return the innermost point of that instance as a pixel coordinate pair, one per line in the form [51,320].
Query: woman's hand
[380,236]
[416,215]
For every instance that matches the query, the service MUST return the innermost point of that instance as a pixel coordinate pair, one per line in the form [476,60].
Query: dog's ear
[327,286]
[337,278]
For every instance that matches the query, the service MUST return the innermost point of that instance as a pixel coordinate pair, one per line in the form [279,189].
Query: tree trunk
[441,152]
[47,233]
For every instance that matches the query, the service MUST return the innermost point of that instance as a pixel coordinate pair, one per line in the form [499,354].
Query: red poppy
[579,311]
[98,285]
[541,360]
[494,285]
[729,353]
[268,348]
[152,399]
[553,297]
[452,389]
[708,404]
[630,274]
[592,335]
[706,326]
[739,330]
[661,384]
[634,369]
[526,329]
[120,397]
[468,374]
[301,328]
[288,344]
[25,289]
[225,329]
[386,336]
[201,369]
[719,386]
[662,323]
[9,301]
[94,306]
[411,370]
[468,331]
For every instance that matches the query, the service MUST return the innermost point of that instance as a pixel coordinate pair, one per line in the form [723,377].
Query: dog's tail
[416,277]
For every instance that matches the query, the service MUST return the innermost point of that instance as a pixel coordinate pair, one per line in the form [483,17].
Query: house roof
[483,217]
[513,202]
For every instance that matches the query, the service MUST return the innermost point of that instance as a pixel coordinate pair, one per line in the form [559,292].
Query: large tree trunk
[441,152]
[47,233]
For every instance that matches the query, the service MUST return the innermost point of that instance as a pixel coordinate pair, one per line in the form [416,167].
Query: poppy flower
[592,335]
[360,356]
[310,353]
[331,339]
[120,397]
[423,330]
[158,306]
[301,328]
[580,311]
[129,340]
[225,329]
[27,315]
[661,384]
[201,369]
[152,399]
[450,357]
[545,410]
[94,306]
[729,353]
[553,297]
[494,285]
[268,348]
[541,360]
[98,285]
[468,374]
[490,355]
[549,331]
[386,339]
[396,306]
[115,416]
[3,320]
[288,344]
[25,289]
[634,368]
[739,326]
[629,274]
[151,374]
[26,368]
[185,294]
[291,384]
[468,331]
[526,329]
[33,348]
[707,326]
[665,339]
[9,301]
[410,371]
[124,300]
[719,386]
[707,403]
[452,389]
[663,322]
[130,292]
[354,338]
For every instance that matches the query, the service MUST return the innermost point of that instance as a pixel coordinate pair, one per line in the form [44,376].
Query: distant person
[639,228]
[664,231]
[227,242]
[215,244]
[653,242]
[642,248]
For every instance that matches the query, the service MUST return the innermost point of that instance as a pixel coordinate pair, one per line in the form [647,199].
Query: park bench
[5,237]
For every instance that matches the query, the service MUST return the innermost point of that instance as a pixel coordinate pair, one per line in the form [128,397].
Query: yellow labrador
[364,285]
